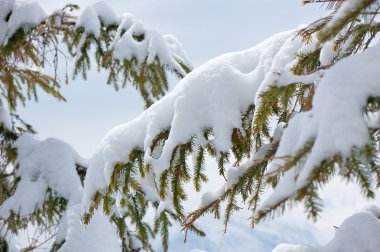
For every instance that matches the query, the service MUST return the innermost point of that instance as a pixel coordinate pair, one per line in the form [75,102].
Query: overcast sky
[206,28]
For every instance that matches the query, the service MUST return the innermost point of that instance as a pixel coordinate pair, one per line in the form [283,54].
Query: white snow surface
[51,163]
[153,45]
[5,119]
[98,236]
[340,97]
[42,165]
[89,20]
[24,14]
[106,14]
[166,48]
[93,16]
[345,9]
[211,96]
[358,233]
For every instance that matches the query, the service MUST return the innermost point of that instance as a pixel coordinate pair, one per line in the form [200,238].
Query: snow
[98,236]
[177,50]
[29,195]
[51,163]
[344,10]
[5,119]
[330,50]
[96,15]
[328,54]
[24,14]
[279,74]
[212,96]
[153,45]
[42,165]
[360,232]
[340,97]
[106,14]
[223,85]
[89,20]
[357,233]
[126,46]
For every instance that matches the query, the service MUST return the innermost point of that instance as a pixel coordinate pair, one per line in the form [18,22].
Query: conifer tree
[289,114]
[33,45]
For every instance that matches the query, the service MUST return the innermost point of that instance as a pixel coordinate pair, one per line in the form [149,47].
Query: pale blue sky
[206,28]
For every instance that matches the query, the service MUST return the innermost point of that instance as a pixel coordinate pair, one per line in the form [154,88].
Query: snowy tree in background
[41,181]
[284,116]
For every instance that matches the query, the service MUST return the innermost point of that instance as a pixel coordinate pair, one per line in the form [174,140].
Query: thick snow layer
[132,40]
[153,45]
[106,14]
[93,16]
[5,119]
[98,236]
[328,54]
[44,164]
[279,73]
[340,97]
[89,20]
[52,164]
[15,14]
[345,9]
[211,96]
[358,233]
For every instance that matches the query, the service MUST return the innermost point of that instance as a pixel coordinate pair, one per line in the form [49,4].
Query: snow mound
[5,119]
[43,164]
[15,14]
[132,40]
[100,235]
[358,233]
[211,96]
[340,97]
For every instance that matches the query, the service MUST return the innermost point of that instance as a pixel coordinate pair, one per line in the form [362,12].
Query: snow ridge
[225,86]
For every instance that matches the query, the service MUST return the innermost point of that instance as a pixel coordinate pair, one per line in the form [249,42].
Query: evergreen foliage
[351,34]
[253,143]
[23,58]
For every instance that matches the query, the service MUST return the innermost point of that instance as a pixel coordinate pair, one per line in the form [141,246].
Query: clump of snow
[100,234]
[177,50]
[96,15]
[106,14]
[360,232]
[132,40]
[43,164]
[224,85]
[330,50]
[52,164]
[340,97]
[5,119]
[328,53]
[149,46]
[89,20]
[278,73]
[15,14]
[345,9]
